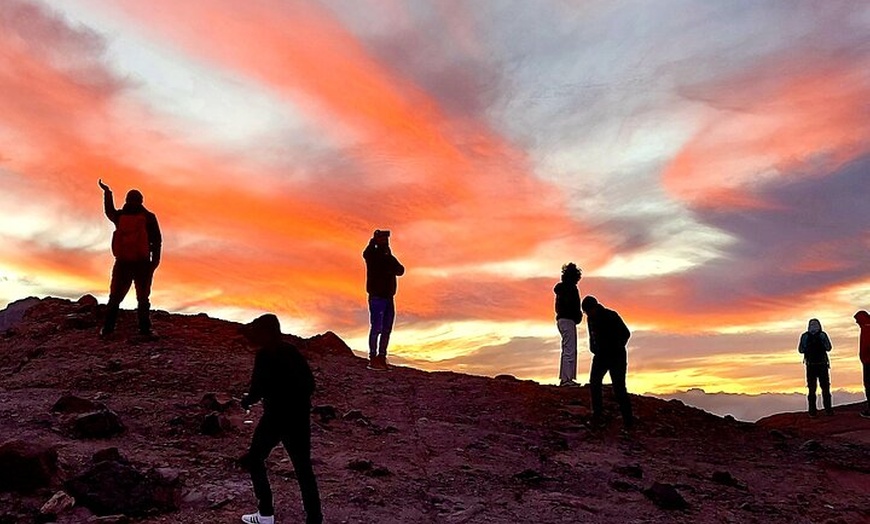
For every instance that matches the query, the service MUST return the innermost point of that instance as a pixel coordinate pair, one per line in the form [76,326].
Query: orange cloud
[803,119]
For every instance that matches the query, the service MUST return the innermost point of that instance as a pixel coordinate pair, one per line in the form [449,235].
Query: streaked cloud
[705,164]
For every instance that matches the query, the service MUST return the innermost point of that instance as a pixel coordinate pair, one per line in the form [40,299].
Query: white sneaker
[256,518]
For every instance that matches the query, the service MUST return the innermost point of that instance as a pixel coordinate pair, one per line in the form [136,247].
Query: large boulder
[112,488]
[26,466]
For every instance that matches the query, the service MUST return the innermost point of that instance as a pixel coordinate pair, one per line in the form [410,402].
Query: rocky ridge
[139,430]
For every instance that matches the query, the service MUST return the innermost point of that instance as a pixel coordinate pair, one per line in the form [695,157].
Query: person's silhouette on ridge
[136,245]
[382,268]
[608,336]
[283,380]
[814,345]
[568,315]
[862,318]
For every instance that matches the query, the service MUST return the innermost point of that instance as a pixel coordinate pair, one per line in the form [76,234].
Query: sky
[704,162]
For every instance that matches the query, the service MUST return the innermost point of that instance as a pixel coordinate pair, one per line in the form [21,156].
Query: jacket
[608,334]
[568,302]
[863,320]
[814,328]
[155,238]
[382,268]
[283,380]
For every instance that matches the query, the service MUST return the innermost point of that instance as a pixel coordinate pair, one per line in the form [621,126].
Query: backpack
[815,351]
[130,239]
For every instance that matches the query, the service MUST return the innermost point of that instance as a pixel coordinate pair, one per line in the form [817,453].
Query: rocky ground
[148,431]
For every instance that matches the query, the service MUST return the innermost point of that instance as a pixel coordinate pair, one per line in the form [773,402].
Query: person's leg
[386,327]
[376,318]
[143,278]
[298,445]
[811,387]
[867,385]
[266,437]
[568,362]
[122,279]
[825,384]
[596,375]
[617,376]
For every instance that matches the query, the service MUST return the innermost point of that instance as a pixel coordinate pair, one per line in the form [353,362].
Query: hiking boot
[865,413]
[813,414]
[829,412]
[568,384]
[383,362]
[256,518]
[374,363]
[106,333]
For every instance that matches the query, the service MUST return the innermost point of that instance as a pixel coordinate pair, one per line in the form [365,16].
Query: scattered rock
[110,519]
[107,454]
[725,478]
[214,424]
[811,446]
[623,486]
[507,378]
[325,412]
[631,470]
[74,404]
[380,471]
[216,402]
[112,488]
[97,424]
[57,504]
[26,466]
[529,476]
[360,465]
[665,496]
[355,414]
[79,321]
[87,302]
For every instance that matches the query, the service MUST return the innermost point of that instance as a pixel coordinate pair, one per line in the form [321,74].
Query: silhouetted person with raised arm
[136,245]
[382,268]
[814,346]
[608,336]
[862,318]
[284,382]
[568,315]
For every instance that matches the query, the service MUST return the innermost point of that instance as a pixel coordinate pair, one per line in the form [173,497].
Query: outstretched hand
[103,186]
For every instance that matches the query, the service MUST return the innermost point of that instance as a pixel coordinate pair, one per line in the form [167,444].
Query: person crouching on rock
[608,336]
[814,346]
[283,380]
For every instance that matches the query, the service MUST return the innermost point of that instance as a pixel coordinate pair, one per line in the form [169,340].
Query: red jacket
[863,320]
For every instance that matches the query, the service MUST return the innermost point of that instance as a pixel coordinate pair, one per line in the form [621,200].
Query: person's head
[134,197]
[382,237]
[814,325]
[862,318]
[571,274]
[262,331]
[590,305]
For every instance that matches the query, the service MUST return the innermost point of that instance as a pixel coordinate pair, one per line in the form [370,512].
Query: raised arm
[108,202]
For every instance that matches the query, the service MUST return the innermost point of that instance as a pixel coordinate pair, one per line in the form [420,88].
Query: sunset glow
[707,165]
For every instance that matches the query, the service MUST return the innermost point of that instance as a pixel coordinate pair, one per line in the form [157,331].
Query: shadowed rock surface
[398,446]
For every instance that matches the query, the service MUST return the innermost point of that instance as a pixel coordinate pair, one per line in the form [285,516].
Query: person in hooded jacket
[568,315]
[814,345]
[137,245]
[283,381]
[862,318]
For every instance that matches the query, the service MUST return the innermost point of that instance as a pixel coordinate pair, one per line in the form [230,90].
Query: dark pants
[382,312]
[867,384]
[295,434]
[617,366]
[818,373]
[124,274]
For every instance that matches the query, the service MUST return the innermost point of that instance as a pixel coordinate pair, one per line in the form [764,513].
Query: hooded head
[134,198]
[571,273]
[862,318]
[814,326]
[263,330]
